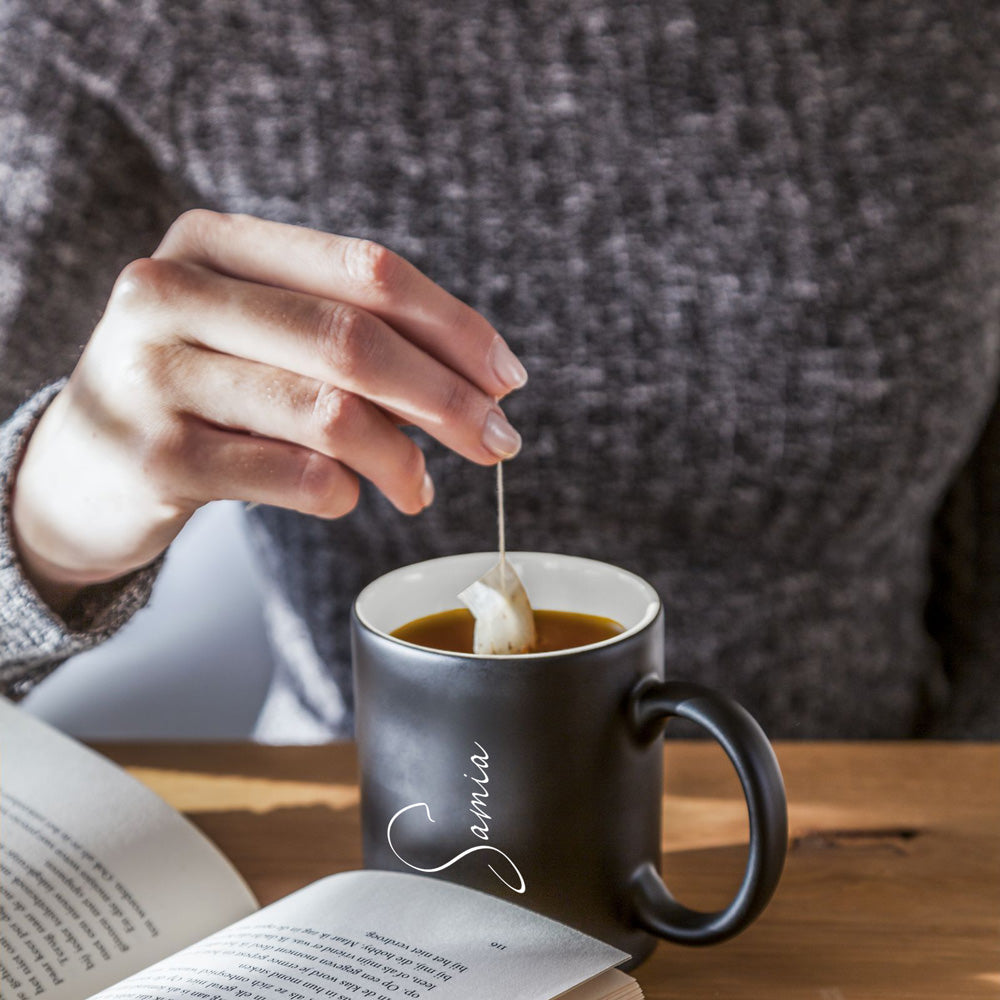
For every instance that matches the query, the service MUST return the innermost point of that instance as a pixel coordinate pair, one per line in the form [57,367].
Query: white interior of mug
[553,582]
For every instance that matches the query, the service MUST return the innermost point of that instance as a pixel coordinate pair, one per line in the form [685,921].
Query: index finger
[355,271]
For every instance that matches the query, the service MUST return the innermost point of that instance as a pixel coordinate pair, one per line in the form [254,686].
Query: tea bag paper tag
[504,620]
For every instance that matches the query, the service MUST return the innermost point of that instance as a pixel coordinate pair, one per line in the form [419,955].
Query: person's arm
[242,359]
[964,609]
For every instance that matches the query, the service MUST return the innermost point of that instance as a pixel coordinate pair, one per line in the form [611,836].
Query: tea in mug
[452,631]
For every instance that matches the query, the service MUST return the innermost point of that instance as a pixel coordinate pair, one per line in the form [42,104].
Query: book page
[98,876]
[377,935]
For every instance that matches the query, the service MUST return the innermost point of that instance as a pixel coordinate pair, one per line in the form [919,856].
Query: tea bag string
[500,524]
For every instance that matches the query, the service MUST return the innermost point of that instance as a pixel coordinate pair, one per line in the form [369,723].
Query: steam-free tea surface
[453,630]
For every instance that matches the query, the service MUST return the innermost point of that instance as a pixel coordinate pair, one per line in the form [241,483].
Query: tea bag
[498,601]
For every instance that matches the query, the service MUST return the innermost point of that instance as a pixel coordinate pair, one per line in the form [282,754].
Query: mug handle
[651,703]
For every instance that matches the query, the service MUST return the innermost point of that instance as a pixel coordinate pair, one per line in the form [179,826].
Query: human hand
[257,361]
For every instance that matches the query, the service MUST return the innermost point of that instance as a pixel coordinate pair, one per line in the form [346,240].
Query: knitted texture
[748,253]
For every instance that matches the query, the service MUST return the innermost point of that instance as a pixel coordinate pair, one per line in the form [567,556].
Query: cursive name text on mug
[479,829]
[477,804]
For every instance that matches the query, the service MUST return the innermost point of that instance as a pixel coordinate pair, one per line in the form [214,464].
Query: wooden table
[891,889]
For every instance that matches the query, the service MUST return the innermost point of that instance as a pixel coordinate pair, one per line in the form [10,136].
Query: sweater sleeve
[33,640]
[964,607]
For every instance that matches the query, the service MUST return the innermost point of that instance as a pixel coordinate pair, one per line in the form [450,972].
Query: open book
[106,890]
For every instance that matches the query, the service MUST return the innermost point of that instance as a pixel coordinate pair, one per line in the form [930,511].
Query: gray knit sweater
[748,251]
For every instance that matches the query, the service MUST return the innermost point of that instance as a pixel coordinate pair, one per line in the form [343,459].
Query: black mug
[539,777]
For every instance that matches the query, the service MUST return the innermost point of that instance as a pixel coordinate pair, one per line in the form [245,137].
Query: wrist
[57,587]
[49,557]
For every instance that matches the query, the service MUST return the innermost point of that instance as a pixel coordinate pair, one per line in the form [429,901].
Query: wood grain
[891,890]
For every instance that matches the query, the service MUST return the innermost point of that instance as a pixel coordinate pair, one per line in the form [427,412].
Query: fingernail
[499,436]
[427,491]
[508,369]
